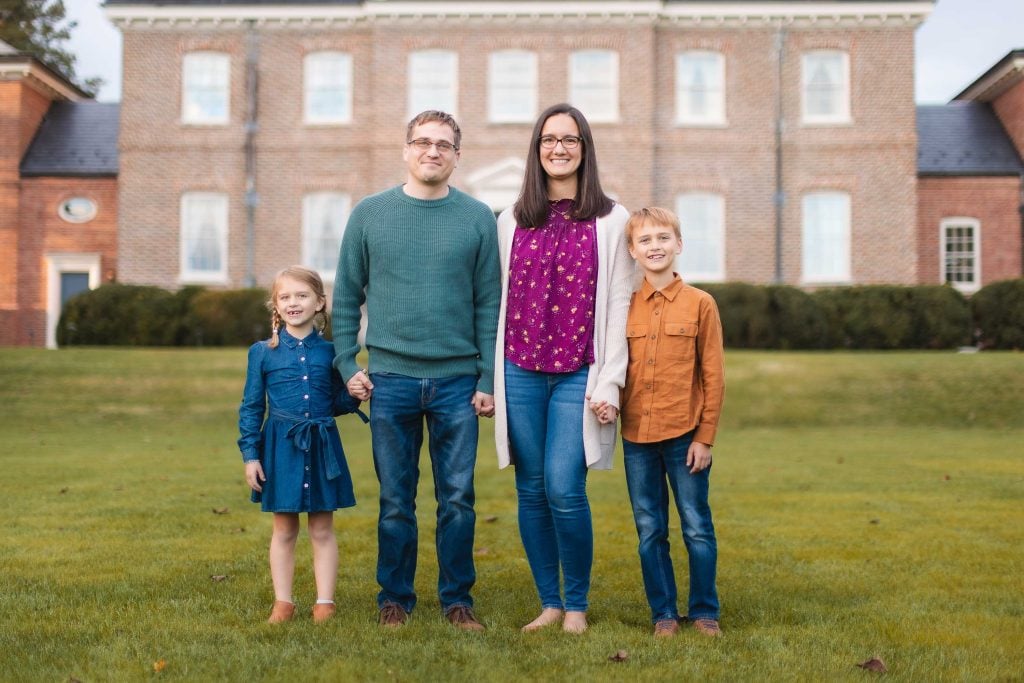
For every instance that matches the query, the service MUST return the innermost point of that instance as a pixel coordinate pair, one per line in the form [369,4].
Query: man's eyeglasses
[424,145]
[568,142]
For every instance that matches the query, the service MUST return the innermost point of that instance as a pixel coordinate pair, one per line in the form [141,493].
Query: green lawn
[867,505]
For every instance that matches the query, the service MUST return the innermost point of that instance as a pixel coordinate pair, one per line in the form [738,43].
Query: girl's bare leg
[282,554]
[325,553]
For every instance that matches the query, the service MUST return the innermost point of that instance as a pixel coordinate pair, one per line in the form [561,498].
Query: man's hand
[359,386]
[483,404]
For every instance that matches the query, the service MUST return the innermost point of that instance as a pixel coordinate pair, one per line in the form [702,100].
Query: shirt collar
[669,291]
[291,342]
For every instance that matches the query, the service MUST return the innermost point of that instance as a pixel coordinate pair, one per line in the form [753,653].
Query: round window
[77,210]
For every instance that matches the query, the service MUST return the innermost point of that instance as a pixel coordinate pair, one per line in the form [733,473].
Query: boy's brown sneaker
[708,627]
[666,628]
[392,615]
[281,612]
[322,612]
[462,617]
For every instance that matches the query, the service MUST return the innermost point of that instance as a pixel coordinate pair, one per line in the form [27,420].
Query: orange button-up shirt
[676,376]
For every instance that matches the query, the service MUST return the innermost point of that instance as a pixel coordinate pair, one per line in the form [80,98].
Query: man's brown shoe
[462,617]
[708,627]
[281,612]
[392,615]
[666,628]
[322,611]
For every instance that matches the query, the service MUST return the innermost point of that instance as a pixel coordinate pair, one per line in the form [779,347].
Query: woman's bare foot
[548,616]
[575,622]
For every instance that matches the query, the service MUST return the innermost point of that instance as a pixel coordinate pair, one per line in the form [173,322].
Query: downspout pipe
[252,199]
[779,199]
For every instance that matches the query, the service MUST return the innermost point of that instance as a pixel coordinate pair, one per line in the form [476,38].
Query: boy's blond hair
[655,215]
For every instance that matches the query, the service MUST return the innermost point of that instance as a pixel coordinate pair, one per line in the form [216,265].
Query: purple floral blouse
[549,324]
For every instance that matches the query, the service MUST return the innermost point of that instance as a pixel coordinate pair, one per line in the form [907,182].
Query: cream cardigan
[611,354]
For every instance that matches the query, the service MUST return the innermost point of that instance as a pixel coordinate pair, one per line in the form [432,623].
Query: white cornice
[992,85]
[728,14]
[39,79]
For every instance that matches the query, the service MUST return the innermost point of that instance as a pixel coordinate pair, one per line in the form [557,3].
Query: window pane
[825,86]
[203,235]
[700,95]
[594,84]
[701,221]
[324,217]
[826,237]
[205,87]
[960,260]
[432,81]
[328,86]
[513,86]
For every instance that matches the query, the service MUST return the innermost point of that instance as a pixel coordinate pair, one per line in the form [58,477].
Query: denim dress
[298,442]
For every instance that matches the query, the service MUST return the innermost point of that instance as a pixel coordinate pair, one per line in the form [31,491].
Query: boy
[675,385]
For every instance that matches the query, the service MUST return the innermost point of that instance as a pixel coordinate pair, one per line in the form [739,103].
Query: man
[424,258]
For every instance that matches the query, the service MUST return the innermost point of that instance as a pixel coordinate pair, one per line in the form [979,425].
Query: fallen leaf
[159,665]
[217,578]
[874,664]
[220,511]
[875,521]
[491,518]
[947,477]
[619,656]
[482,551]
[840,460]
[66,489]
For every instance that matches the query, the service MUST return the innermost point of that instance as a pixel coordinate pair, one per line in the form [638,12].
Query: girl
[294,461]
[561,354]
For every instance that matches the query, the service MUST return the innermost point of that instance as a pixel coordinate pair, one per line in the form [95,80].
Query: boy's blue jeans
[651,468]
[545,430]
[397,408]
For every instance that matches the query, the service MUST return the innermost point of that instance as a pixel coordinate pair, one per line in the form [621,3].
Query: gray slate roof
[964,138]
[75,139]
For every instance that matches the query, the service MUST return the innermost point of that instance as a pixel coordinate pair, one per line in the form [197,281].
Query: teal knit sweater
[428,272]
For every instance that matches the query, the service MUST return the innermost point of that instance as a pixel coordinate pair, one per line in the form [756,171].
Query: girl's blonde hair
[307,277]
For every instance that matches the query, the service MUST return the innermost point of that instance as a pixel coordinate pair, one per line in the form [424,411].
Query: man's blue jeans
[651,468]
[397,409]
[545,425]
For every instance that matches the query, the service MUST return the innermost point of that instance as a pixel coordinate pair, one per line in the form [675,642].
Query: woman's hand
[606,412]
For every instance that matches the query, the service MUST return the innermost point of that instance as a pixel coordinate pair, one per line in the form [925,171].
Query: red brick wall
[1009,108]
[645,158]
[45,232]
[993,202]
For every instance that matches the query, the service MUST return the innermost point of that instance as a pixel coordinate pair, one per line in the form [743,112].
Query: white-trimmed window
[826,237]
[324,215]
[960,253]
[594,84]
[204,237]
[512,86]
[700,88]
[702,222]
[825,81]
[433,81]
[328,87]
[205,88]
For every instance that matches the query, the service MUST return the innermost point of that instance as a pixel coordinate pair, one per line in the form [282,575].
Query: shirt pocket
[636,336]
[680,340]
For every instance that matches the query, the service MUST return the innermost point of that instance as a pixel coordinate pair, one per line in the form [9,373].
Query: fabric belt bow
[301,434]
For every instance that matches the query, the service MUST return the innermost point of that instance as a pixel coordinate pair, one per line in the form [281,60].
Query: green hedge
[755,317]
[137,315]
[998,311]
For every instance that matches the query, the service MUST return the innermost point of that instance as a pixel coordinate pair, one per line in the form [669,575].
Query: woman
[561,354]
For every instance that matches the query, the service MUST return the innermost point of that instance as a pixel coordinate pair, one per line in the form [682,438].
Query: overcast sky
[956,44]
